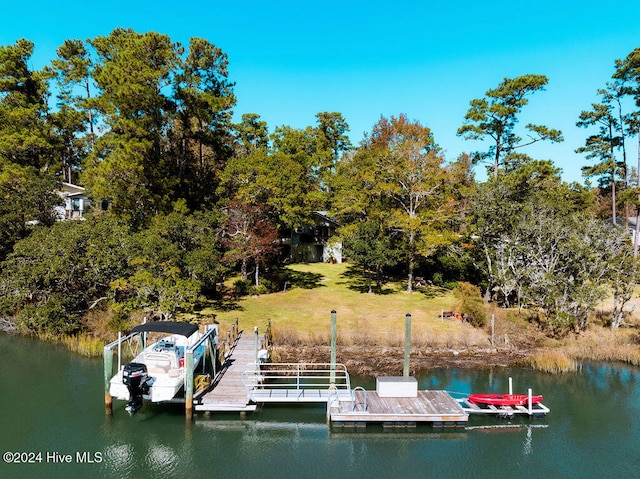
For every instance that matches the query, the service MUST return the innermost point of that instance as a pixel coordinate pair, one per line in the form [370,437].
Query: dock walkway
[228,393]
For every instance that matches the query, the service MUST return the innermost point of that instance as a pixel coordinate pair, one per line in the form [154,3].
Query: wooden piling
[334,341]
[407,344]
[108,370]
[188,385]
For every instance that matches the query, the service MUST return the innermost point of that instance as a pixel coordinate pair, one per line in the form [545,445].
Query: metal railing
[353,398]
[298,377]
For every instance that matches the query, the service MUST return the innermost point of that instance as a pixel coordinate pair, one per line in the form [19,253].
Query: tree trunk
[257,277]
[635,237]
[243,269]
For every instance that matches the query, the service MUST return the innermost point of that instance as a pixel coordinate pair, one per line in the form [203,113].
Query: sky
[367,59]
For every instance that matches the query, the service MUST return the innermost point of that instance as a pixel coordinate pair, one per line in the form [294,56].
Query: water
[52,405]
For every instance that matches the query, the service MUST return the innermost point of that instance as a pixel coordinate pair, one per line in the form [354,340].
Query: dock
[228,393]
[435,407]
[236,376]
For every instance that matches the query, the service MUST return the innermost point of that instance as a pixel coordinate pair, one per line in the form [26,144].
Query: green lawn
[304,309]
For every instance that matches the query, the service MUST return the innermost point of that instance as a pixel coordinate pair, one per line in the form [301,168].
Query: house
[76,203]
[313,243]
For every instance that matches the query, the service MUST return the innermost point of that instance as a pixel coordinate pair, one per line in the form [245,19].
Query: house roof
[324,216]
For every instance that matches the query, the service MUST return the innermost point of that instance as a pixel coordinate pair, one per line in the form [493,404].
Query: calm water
[51,403]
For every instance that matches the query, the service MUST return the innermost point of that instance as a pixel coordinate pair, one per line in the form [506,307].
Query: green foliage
[471,304]
[397,180]
[496,115]
[57,272]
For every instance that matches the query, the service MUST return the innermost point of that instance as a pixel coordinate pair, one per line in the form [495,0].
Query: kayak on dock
[504,399]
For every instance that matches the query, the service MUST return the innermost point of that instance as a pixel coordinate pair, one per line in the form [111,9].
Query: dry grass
[602,344]
[84,344]
[552,361]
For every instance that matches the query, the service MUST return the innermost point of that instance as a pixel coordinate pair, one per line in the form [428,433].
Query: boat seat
[159,362]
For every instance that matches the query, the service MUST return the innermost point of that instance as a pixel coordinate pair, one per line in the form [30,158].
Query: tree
[602,145]
[403,166]
[74,113]
[25,140]
[204,98]
[370,245]
[130,166]
[57,273]
[333,141]
[252,134]
[249,236]
[496,115]
[628,74]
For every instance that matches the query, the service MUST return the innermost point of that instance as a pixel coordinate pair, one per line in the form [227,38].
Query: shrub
[470,303]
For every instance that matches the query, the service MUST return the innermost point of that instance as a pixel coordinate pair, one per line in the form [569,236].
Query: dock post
[334,342]
[510,386]
[188,385]
[530,402]
[108,370]
[407,344]
[255,344]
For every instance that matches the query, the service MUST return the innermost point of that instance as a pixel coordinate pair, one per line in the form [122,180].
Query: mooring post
[334,341]
[510,386]
[407,344]
[493,330]
[255,344]
[188,385]
[108,371]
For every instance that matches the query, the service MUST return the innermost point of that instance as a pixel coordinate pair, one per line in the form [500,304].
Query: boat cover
[169,327]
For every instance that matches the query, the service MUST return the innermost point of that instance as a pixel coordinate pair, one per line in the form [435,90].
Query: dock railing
[279,380]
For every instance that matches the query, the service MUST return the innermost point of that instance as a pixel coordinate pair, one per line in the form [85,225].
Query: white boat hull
[165,367]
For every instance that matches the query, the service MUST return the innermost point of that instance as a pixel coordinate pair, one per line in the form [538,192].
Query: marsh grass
[83,344]
[552,361]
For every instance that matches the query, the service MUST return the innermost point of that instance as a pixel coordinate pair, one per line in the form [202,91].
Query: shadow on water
[360,281]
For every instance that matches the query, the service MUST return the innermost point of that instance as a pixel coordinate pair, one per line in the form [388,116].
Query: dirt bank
[378,361]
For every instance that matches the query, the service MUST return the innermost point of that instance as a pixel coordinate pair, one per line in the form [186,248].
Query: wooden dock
[228,393]
[435,407]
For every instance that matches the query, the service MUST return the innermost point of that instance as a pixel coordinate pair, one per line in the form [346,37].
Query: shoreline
[389,361]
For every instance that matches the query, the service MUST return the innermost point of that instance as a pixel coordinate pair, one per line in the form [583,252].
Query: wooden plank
[229,393]
[429,406]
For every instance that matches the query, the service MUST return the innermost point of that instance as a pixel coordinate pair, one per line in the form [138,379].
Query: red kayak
[504,399]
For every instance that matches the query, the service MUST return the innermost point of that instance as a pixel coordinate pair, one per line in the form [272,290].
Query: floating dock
[435,407]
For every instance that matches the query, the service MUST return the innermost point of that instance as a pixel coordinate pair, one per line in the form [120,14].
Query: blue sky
[291,60]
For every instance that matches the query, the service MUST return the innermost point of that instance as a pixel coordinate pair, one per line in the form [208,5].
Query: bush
[470,303]
[242,287]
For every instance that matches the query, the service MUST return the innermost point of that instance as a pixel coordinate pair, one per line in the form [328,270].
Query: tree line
[146,125]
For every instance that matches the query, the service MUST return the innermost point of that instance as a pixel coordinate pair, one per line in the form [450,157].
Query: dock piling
[108,370]
[407,344]
[188,385]
[334,341]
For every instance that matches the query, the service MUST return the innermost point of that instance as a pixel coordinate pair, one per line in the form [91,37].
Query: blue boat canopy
[183,329]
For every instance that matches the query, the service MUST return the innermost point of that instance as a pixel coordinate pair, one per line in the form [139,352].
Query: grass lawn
[304,309]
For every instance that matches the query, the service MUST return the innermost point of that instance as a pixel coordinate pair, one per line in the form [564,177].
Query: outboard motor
[135,377]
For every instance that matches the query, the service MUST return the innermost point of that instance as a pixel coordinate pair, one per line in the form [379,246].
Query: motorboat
[503,399]
[157,374]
